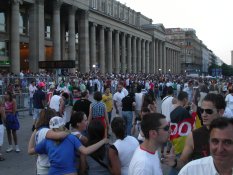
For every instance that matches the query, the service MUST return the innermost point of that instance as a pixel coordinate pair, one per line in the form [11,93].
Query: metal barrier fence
[12,83]
[22,101]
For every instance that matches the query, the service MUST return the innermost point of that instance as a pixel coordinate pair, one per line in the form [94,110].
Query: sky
[211,19]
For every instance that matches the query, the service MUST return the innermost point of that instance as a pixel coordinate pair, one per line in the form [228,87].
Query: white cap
[56,122]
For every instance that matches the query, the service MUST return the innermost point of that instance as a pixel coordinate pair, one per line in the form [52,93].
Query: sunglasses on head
[165,128]
[207,111]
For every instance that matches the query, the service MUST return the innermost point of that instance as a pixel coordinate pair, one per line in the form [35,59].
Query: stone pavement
[22,163]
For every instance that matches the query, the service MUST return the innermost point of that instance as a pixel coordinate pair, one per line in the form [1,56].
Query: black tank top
[201,138]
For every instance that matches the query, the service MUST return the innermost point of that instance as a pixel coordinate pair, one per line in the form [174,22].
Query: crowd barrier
[22,101]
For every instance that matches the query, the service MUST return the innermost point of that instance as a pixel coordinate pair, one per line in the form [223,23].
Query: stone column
[36,33]
[71,42]
[84,42]
[109,51]
[164,58]
[116,52]
[143,56]
[102,50]
[157,56]
[152,65]
[161,56]
[93,44]
[56,30]
[123,54]
[147,57]
[14,42]
[134,55]
[63,38]
[139,54]
[129,50]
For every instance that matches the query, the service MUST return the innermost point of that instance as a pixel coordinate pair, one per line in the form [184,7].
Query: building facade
[94,33]
[191,48]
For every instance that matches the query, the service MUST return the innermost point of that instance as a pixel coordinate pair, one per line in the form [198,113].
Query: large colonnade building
[104,33]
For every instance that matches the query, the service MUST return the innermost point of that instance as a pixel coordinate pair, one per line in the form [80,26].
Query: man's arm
[170,160]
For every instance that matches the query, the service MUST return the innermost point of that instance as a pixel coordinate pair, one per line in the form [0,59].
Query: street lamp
[94,66]
[160,70]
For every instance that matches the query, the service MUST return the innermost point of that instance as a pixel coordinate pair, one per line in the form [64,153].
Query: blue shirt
[62,156]
[98,109]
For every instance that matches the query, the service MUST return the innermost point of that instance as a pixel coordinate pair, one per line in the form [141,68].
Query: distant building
[191,57]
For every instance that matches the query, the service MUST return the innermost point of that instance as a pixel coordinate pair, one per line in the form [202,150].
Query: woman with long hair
[149,102]
[12,123]
[97,162]
[78,122]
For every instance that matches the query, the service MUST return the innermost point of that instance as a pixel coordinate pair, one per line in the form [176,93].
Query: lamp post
[160,71]
[94,66]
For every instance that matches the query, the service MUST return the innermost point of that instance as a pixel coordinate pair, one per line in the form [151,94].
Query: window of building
[103,6]
[2,21]
[23,23]
[3,48]
[48,28]
[76,38]
[94,4]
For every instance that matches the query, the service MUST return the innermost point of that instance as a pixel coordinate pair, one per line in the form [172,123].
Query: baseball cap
[56,122]
[41,84]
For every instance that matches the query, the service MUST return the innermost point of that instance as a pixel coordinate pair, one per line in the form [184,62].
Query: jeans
[109,116]
[30,105]
[128,117]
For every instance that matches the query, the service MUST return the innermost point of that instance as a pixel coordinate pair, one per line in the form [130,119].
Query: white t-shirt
[167,107]
[229,101]
[42,160]
[32,90]
[138,101]
[145,163]
[203,166]
[118,96]
[55,102]
[126,150]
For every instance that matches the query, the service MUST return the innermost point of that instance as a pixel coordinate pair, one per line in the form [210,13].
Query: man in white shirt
[146,160]
[167,105]
[221,147]
[32,89]
[117,97]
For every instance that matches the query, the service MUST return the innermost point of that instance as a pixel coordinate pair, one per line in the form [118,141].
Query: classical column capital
[17,1]
[129,36]
[102,27]
[110,29]
[94,24]
[72,9]
[57,4]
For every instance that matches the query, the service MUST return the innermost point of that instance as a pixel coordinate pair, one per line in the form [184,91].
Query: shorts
[1,134]
[42,170]
[36,114]
[12,121]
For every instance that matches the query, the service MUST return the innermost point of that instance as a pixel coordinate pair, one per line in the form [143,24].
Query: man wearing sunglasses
[197,142]
[221,148]
[145,160]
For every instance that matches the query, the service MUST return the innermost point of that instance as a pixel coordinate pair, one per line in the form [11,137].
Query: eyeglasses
[207,111]
[165,128]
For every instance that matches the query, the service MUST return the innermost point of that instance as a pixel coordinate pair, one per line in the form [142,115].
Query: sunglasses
[207,111]
[165,128]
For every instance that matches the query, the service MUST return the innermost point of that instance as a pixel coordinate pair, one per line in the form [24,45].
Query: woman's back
[97,166]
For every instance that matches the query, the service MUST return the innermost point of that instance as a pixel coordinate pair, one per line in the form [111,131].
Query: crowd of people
[71,131]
